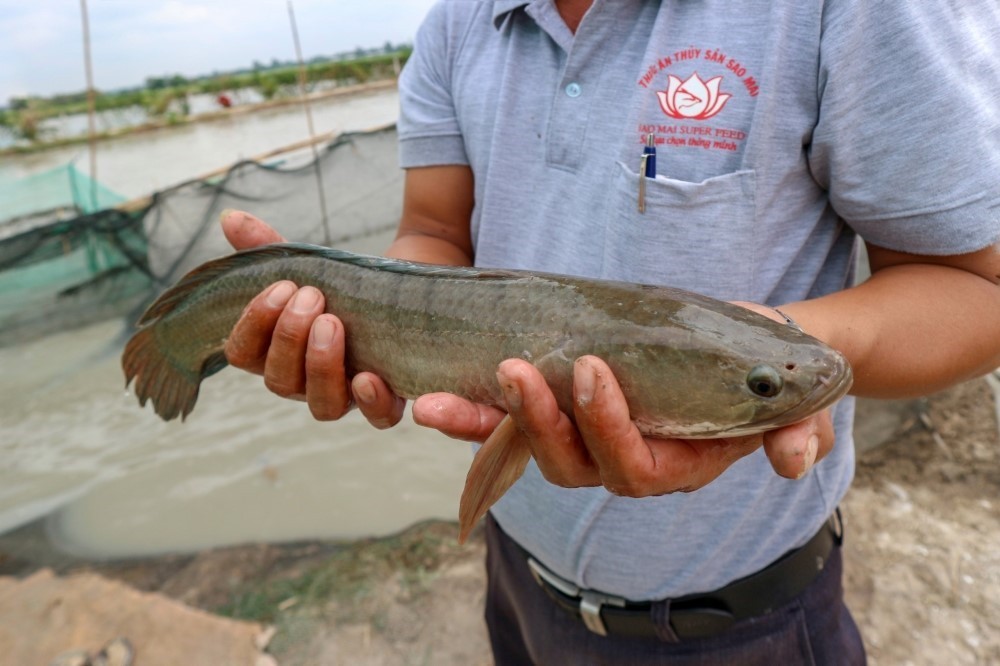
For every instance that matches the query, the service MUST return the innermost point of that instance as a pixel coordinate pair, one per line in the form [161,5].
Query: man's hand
[604,447]
[285,335]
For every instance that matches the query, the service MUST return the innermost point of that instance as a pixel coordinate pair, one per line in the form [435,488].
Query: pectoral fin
[497,466]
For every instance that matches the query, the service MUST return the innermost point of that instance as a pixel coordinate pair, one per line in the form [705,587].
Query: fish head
[798,380]
[729,376]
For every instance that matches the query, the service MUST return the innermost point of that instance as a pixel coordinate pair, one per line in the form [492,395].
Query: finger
[327,392]
[244,231]
[627,464]
[284,369]
[635,466]
[247,345]
[795,449]
[377,402]
[553,439]
[456,417]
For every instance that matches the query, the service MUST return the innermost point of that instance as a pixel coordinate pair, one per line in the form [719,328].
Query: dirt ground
[923,548]
[922,553]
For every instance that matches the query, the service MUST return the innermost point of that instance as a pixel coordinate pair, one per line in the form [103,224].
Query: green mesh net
[71,265]
[63,189]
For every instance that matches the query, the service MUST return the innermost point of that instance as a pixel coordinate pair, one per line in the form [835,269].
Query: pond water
[111,479]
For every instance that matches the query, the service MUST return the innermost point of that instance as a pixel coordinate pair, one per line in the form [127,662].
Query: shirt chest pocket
[695,236]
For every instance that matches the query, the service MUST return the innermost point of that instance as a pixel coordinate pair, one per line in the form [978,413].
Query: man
[782,130]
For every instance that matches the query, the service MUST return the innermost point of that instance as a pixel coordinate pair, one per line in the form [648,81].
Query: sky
[41,41]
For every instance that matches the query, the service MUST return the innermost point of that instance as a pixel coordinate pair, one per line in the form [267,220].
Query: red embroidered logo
[693,99]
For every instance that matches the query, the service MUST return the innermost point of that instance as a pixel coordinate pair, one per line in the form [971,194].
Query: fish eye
[765,381]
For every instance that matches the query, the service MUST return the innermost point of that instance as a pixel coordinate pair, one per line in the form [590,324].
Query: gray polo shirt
[782,129]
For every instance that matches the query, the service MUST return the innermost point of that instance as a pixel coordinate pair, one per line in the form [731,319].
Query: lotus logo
[693,99]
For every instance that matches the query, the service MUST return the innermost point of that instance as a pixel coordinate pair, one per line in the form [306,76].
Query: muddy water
[111,479]
[139,164]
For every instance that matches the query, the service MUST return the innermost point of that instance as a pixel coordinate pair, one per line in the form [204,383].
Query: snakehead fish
[689,366]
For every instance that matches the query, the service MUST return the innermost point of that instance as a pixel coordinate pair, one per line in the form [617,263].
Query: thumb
[794,449]
[244,231]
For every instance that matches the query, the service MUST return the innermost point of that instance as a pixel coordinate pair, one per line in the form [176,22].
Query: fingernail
[364,391]
[586,383]
[812,448]
[279,294]
[227,212]
[305,301]
[322,334]
[425,406]
[511,393]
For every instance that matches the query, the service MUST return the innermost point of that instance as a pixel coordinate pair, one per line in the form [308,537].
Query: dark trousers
[527,627]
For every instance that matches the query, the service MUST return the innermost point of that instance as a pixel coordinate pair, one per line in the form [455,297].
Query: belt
[696,615]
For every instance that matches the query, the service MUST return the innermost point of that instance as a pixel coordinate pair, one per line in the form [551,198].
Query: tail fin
[166,375]
[173,390]
[497,466]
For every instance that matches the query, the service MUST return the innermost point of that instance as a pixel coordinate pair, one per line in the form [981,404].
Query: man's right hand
[286,336]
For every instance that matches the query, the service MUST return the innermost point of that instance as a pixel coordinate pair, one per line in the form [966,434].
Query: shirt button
[573,90]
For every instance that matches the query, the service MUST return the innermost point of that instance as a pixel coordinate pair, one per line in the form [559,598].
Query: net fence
[112,262]
[57,194]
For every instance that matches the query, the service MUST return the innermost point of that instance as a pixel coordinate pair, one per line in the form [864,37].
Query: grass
[166,103]
[340,583]
[355,585]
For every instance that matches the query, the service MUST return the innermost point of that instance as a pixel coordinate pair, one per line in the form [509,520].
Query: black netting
[109,263]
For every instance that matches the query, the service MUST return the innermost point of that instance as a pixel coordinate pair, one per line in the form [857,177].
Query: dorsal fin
[210,270]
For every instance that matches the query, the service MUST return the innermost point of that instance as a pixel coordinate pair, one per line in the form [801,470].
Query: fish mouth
[837,384]
[829,388]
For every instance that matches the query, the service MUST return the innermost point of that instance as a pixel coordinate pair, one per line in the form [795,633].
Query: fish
[689,366]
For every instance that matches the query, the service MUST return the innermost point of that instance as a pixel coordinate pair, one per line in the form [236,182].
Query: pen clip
[642,183]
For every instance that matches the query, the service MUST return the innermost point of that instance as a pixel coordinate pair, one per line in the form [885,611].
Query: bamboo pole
[91,104]
[309,122]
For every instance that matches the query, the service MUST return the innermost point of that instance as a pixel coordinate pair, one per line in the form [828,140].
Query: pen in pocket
[647,168]
[650,149]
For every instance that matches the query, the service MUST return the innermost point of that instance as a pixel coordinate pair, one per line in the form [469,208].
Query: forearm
[414,246]
[437,206]
[911,329]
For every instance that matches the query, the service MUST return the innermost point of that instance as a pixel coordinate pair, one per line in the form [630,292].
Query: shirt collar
[503,8]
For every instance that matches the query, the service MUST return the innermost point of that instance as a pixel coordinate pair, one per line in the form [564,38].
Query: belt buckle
[590,610]
[591,602]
